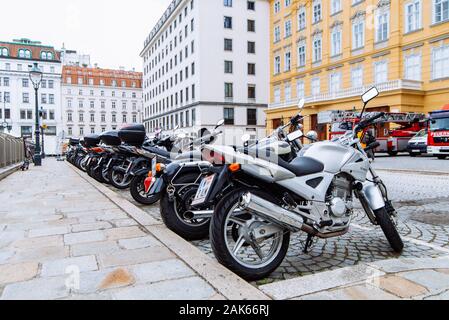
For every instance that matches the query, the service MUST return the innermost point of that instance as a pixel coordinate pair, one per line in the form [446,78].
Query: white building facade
[206,60]
[17,95]
[96,100]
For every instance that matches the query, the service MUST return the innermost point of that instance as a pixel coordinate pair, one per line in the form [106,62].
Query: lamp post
[43,127]
[36,79]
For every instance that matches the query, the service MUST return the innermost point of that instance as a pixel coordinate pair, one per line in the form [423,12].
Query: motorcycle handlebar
[365,123]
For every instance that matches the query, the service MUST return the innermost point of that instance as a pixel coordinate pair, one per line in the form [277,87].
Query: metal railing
[353,92]
[11,150]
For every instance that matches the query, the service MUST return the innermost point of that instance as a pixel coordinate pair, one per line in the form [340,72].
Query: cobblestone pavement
[422,202]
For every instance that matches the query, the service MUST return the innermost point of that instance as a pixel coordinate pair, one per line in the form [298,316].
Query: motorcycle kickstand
[308,243]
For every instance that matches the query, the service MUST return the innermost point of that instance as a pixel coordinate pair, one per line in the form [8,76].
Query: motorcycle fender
[219,184]
[135,164]
[157,187]
[373,196]
[141,172]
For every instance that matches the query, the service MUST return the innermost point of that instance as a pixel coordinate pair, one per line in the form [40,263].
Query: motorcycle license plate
[153,166]
[203,190]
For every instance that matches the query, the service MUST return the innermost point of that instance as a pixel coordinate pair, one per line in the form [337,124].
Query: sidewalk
[61,238]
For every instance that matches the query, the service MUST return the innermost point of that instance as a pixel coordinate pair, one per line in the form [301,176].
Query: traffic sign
[5,125]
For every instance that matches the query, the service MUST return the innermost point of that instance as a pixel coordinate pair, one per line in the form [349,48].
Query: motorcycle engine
[339,200]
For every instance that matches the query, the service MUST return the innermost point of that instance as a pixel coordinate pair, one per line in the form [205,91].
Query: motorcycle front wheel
[232,242]
[389,228]
[137,189]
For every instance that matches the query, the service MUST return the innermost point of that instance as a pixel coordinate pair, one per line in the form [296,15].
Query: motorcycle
[314,193]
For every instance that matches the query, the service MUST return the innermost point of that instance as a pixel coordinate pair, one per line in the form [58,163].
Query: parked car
[418,144]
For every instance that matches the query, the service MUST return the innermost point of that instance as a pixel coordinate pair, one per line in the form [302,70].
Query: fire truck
[438,137]
[391,141]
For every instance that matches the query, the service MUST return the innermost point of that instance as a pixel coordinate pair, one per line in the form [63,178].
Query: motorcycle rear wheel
[219,229]
[389,229]
[116,179]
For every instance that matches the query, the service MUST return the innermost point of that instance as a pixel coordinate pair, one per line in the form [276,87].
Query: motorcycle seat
[157,151]
[302,166]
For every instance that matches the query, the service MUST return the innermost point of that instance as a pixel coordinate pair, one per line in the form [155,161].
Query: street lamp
[42,131]
[36,79]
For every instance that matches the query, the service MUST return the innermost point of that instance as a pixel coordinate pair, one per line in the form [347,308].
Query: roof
[97,74]
[35,47]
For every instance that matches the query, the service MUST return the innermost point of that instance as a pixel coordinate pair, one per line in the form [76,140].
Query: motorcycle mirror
[312,135]
[370,95]
[301,104]
[246,138]
[220,123]
[295,135]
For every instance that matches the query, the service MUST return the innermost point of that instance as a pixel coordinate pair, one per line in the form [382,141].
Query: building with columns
[330,51]
[206,60]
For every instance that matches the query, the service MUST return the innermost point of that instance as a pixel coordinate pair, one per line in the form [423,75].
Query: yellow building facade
[330,51]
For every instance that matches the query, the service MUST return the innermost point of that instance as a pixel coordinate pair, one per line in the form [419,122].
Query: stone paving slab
[66,240]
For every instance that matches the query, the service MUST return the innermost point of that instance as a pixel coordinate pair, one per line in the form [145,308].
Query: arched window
[49,56]
[28,54]
[4,52]
[43,55]
[21,53]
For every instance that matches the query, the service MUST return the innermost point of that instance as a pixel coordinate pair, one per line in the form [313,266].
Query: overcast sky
[111,31]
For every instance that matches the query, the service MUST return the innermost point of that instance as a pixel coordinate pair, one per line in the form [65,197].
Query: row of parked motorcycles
[248,200]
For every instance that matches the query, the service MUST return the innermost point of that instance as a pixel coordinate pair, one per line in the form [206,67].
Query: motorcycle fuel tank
[333,155]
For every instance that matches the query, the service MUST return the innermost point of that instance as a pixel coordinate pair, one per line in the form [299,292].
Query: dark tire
[413,155]
[389,229]
[172,216]
[136,187]
[392,153]
[96,174]
[220,248]
[441,157]
[117,185]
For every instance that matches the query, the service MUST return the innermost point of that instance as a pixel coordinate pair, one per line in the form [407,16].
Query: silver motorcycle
[314,193]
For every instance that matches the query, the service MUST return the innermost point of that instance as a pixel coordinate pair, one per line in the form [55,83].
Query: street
[422,202]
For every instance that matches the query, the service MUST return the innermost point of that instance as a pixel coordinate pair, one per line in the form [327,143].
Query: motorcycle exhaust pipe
[271,212]
[202,214]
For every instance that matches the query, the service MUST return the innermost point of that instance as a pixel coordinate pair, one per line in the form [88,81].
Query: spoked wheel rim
[244,249]
[182,203]
[119,178]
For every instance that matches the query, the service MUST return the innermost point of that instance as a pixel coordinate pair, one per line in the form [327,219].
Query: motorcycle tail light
[147,183]
[213,157]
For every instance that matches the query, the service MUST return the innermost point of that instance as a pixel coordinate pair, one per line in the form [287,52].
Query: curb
[9,170]
[422,172]
[224,281]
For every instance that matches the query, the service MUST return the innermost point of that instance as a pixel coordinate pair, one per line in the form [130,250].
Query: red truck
[391,141]
[438,137]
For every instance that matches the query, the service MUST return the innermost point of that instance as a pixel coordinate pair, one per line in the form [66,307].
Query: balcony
[353,92]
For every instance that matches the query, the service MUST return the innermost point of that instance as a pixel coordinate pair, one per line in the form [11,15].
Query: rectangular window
[381,72]
[301,54]
[413,16]
[316,86]
[288,28]
[251,69]
[335,82]
[227,3]
[228,115]
[25,97]
[287,60]
[300,90]
[440,11]
[317,49]
[229,90]
[336,38]
[251,92]
[277,6]
[228,22]
[228,66]
[302,22]
[251,26]
[251,47]
[277,34]
[357,77]
[277,95]
[440,62]
[288,92]
[358,34]
[228,44]
[251,115]
[251,5]
[382,25]
[335,6]
[316,11]
[277,65]
[25,83]
[413,67]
